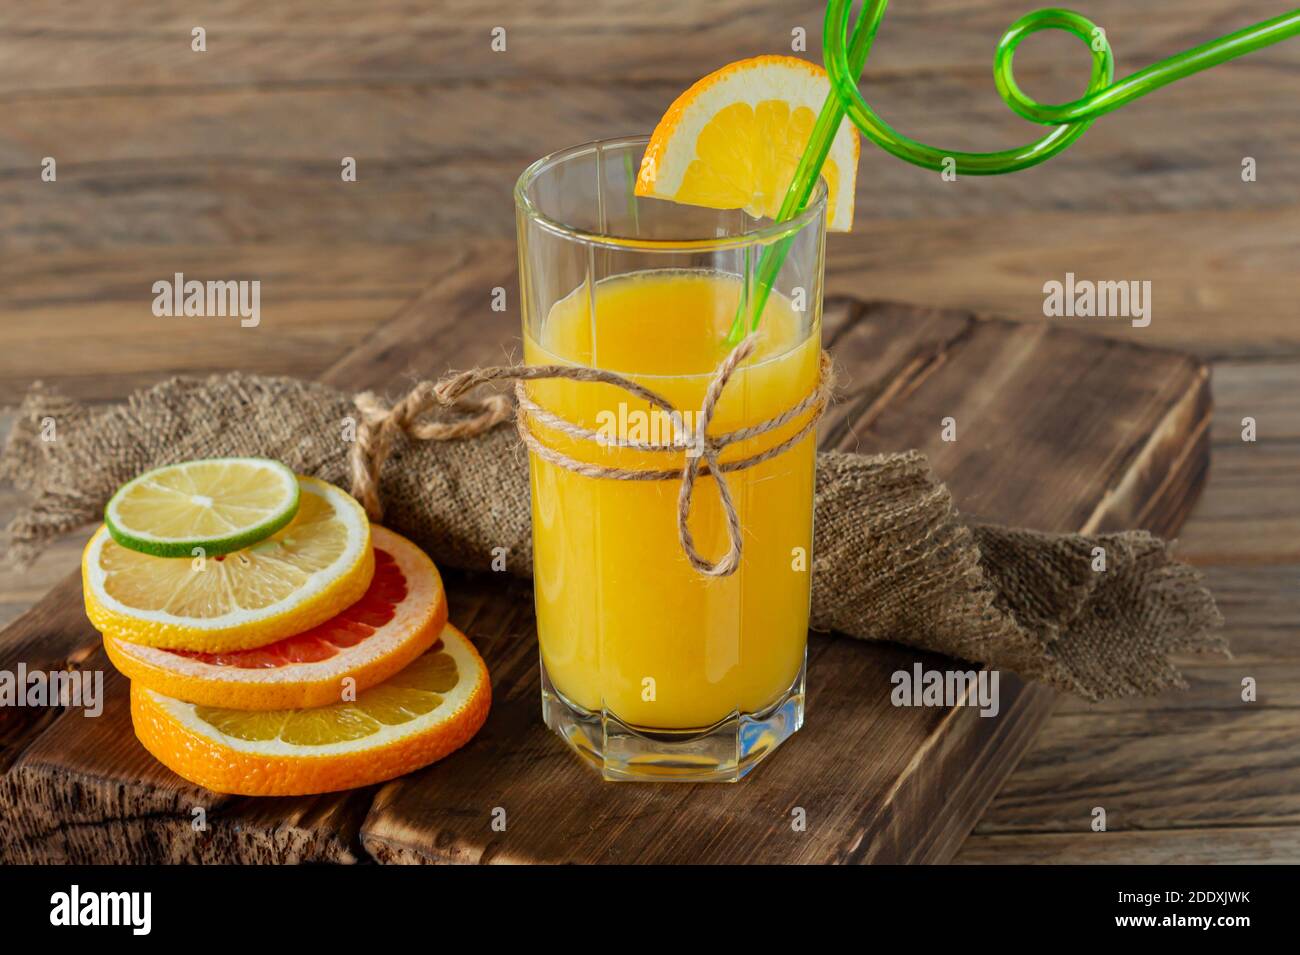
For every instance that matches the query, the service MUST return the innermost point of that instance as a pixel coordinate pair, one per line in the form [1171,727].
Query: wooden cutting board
[1056,430]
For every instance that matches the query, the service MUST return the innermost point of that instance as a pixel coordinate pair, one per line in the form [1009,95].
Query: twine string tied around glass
[380,424]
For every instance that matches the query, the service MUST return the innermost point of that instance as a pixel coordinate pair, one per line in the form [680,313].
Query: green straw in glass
[844,65]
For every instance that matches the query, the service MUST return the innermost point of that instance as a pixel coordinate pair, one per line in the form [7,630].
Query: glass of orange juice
[651,669]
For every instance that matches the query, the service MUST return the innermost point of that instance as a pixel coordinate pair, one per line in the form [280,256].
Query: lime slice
[203,508]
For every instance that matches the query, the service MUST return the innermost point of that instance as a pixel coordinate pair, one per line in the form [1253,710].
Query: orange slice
[303,574]
[397,619]
[413,718]
[732,141]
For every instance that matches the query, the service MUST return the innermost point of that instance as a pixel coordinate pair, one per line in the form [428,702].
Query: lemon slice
[732,141]
[419,715]
[300,576]
[211,507]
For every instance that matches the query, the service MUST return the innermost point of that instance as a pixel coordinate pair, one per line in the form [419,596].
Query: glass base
[722,753]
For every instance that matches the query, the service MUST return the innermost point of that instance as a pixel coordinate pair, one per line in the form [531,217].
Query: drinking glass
[651,669]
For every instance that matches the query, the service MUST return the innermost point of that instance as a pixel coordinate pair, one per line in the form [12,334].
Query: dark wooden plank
[58,808]
[1207,271]
[1009,450]
[242,143]
[1248,845]
[309,43]
[1262,609]
[1268,391]
[93,310]
[1251,511]
[66,47]
[263,166]
[1211,686]
[929,772]
[50,636]
[1167,769]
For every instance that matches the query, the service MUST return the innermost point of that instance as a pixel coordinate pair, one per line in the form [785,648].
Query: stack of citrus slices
[277,643]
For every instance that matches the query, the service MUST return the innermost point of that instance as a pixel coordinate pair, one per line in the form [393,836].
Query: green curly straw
[844,66]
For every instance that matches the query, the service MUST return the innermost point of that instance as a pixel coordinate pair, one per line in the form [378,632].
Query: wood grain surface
[225,165]
[879,783]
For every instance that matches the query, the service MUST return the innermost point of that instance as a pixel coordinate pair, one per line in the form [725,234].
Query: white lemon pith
[302,575]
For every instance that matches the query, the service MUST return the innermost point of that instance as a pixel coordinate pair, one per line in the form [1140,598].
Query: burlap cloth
[893,560]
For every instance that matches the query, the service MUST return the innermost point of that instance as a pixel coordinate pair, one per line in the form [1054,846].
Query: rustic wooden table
[226,163]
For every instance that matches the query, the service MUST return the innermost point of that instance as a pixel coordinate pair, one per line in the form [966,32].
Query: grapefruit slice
[399,617]
[418,715]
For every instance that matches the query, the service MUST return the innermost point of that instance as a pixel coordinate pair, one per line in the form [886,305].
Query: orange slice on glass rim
[733,139]
[415,717]
[398,618]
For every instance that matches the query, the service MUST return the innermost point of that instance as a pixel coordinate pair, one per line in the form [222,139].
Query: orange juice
[626,625]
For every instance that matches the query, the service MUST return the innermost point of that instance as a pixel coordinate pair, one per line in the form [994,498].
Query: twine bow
[380,425]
